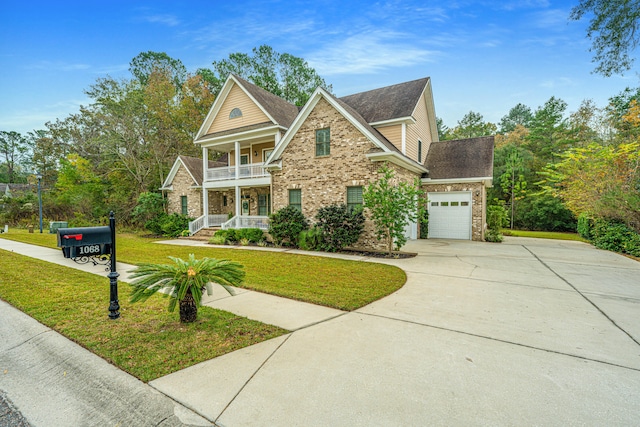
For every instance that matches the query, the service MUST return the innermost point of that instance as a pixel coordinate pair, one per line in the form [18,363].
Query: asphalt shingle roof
[462,158]
[390,102]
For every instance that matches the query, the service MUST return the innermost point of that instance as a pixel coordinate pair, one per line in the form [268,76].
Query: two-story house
[277,154]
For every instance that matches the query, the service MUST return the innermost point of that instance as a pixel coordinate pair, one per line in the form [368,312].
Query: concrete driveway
[528,332]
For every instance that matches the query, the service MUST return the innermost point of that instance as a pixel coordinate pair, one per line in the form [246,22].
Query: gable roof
[283,112]
[387,103]
[193,166]
[280,112]
[462,158]
[386,150]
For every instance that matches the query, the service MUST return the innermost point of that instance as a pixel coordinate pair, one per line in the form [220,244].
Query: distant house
[325,153]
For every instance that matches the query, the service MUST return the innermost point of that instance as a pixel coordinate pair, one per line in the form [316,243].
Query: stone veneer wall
[182,184]
[216,200]
[324,180]
[478,208]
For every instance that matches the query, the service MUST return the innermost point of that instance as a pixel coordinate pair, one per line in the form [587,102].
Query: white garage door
[450,215]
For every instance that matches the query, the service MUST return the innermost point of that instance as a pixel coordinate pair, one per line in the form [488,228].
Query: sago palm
[185,281]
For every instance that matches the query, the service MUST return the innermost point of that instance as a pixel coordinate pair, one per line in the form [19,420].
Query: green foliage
[287,76]
[471,126]
[286,224]
[424,222]
[547,133]
[184,281]
[497,217]
[252,235]
[340,227]
[149,205]
[311,239]
[233,235]
[147,63]
[518,115]
[601,180]
[614,30]
[585,223]
[218,240]
[615,236]
[544,212]
[168,225]
[392,206]
[227,235]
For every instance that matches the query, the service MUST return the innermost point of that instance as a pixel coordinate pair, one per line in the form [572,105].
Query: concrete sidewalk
[528,332]
[283,312]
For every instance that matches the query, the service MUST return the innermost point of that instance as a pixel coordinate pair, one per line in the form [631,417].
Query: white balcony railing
[254,170]
[245,221]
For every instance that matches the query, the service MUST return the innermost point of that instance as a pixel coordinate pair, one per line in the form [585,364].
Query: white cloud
[168,20]
[368,52]
[558,82]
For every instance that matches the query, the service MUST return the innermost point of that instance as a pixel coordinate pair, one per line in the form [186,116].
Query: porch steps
[204,235]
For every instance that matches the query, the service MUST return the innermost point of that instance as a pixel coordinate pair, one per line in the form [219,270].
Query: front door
[245,207]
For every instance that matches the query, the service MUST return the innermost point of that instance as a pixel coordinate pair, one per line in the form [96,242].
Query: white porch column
[238,201]
[205,192]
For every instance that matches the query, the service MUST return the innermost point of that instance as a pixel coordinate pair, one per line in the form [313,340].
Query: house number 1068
[87,250]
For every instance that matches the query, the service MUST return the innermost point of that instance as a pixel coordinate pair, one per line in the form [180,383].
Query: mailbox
[84,241]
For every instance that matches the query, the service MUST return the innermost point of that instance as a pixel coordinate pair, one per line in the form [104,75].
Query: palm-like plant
[185,281]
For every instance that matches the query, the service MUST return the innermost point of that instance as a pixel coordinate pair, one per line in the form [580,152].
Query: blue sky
[481,55]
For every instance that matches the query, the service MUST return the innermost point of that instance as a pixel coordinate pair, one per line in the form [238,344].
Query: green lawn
[544,235]
[146,341]
[337,283]
[149,342]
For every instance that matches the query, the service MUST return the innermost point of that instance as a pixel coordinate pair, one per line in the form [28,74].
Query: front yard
[147,341]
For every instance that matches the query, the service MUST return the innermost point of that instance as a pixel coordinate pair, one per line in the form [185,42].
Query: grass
[544,235]
[336,283]
[147,341]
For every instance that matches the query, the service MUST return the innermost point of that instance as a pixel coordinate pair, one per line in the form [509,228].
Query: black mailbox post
[86,244]
[85,241]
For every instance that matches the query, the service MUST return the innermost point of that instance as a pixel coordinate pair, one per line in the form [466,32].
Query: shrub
[149,206]
[497,217]
[286,224]
[544,212]
[494,236]
[229,235]
[218,240]
[585,223]
[168,225]
[424,223]
[311,239]
[339,226]
[615,236]
[253,235]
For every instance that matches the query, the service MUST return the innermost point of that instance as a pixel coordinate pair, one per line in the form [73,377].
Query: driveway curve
[528,332]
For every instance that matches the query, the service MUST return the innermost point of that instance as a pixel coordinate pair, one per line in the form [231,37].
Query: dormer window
[236,112]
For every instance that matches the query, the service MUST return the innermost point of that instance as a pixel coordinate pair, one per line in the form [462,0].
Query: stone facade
[478,203]
[217,200]
[182,186]
[323,180]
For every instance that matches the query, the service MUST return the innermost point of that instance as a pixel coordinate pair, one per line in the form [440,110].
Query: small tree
[184,282]
[340,227]
[286,224]
[392,207]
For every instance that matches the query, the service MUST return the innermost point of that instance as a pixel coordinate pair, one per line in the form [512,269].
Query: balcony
[254,170]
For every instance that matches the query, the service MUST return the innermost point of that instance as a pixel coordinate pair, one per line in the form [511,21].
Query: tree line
[124,142]
[551,166]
